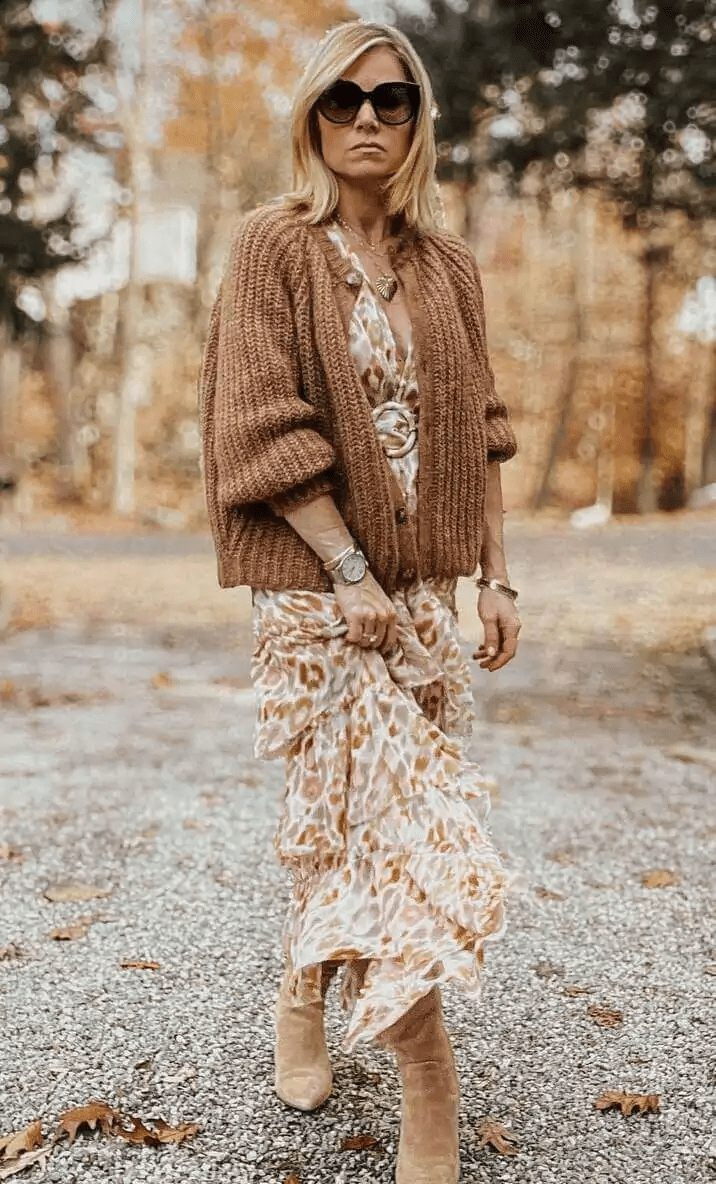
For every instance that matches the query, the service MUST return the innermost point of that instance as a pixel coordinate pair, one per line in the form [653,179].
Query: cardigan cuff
[501,440]
[299,495]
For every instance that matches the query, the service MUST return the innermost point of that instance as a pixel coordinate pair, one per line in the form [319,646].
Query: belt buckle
[408,427]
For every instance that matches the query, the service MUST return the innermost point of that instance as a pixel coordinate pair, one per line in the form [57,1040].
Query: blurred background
[576,156]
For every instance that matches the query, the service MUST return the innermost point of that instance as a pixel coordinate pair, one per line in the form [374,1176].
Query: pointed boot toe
[305,1089]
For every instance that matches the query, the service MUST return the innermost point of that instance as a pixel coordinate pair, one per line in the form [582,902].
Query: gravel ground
[126,761]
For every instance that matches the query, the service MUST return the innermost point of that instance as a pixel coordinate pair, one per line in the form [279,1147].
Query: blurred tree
[615,96]
[44,109]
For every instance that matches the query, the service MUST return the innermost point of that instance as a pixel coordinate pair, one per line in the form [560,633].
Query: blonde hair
[412,191]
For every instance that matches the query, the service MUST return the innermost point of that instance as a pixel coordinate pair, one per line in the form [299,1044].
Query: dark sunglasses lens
[341,102]
[394,102]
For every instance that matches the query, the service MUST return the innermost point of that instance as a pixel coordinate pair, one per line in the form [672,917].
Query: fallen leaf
[292,1179]
[174,1134]
[70,932]
[8,852]
[497,1135]
[7,690]
[573,991]
[39,1155]
[606,1017]
[360,1143]
[75,890]
[628,1103]
[548,894]
[660,877]
[547,969]
[709,968]
[193,824]
[692,755]
[162,679]
[138,1133]
[11,953]
[93,1115]
[14,1145]
[140,965]
[564,855]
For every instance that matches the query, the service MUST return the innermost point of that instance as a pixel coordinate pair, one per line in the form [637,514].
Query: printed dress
[384,818]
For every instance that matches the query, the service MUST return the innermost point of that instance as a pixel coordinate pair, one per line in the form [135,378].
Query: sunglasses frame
[414,96]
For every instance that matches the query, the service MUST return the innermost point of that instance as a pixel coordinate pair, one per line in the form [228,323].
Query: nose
[366,116]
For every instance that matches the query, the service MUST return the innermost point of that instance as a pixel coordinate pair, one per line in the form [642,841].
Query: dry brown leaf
[710,968]
[292,1179]
[7,690]
[547,969]
[606,1017]
[70,932]
[360,1143]
[497,1135]
[138,1133]
[193,824]
[8,852]
[75,890]
[628,1103]
[14,1145]
[548,894]
[174,1134]
[39,1155]
[573,991]
[140,965]
[94,1115]
[564,855]
[162,679]
[660,877]
[10,953]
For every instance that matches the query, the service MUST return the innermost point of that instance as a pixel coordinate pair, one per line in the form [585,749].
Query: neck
[365,211]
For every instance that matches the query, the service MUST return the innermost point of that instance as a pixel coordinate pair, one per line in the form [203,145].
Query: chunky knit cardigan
[284,415]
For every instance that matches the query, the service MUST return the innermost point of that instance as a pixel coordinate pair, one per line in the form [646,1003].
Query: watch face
[353,568]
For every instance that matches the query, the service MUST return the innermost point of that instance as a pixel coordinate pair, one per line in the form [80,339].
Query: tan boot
[429,1150]
[303,1075]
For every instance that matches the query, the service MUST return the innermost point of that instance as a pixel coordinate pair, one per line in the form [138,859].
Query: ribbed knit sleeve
[501,440]
[267,444]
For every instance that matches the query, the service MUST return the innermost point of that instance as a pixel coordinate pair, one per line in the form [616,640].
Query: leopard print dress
[384,818]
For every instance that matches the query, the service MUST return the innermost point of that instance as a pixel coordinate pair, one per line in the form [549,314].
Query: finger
[491,644]
[370,627]
[355,629]
[391,635]
[509,649]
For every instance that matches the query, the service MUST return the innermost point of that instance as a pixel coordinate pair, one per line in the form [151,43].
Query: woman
[352,439]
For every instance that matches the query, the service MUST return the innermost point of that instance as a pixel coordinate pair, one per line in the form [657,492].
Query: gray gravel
[153,792]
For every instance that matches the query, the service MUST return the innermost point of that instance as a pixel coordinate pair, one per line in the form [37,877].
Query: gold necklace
[386,284]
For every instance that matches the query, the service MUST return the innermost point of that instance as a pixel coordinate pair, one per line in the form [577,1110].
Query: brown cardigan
[284,415]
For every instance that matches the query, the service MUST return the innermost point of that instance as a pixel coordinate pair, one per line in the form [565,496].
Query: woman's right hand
[368,611]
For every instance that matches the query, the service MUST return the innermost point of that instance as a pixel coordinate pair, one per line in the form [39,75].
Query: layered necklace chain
[386,284]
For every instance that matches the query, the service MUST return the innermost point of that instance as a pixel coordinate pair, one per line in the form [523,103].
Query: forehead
[380,64]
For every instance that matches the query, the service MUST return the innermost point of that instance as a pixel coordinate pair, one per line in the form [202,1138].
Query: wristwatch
[350,567]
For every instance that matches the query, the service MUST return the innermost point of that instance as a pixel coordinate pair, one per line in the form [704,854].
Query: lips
[378,146]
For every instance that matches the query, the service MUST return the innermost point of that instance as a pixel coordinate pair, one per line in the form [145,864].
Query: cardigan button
[353,278]
[400,516]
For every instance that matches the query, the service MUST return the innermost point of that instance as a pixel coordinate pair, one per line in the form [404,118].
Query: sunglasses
[393,102]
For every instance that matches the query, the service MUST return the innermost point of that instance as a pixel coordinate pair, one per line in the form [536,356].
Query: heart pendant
[387,286]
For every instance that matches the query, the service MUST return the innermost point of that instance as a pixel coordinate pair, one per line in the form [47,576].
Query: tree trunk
[708,464]
[566,398]
[646,496]
[59,371]
[10,375]
[133,114]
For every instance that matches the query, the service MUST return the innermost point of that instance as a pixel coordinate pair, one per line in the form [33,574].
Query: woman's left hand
[501,624]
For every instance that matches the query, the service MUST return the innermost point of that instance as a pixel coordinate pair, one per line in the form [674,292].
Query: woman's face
[340,142]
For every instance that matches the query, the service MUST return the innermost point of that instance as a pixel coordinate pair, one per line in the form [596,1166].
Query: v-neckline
[402,355]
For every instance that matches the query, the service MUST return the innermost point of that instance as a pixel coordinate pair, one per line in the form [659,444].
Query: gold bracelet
[330,564]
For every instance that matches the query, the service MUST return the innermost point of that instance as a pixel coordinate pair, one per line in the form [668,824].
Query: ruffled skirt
[384,820]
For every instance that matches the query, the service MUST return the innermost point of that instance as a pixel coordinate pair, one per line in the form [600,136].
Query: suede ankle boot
[303,1076]
[429,1150]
